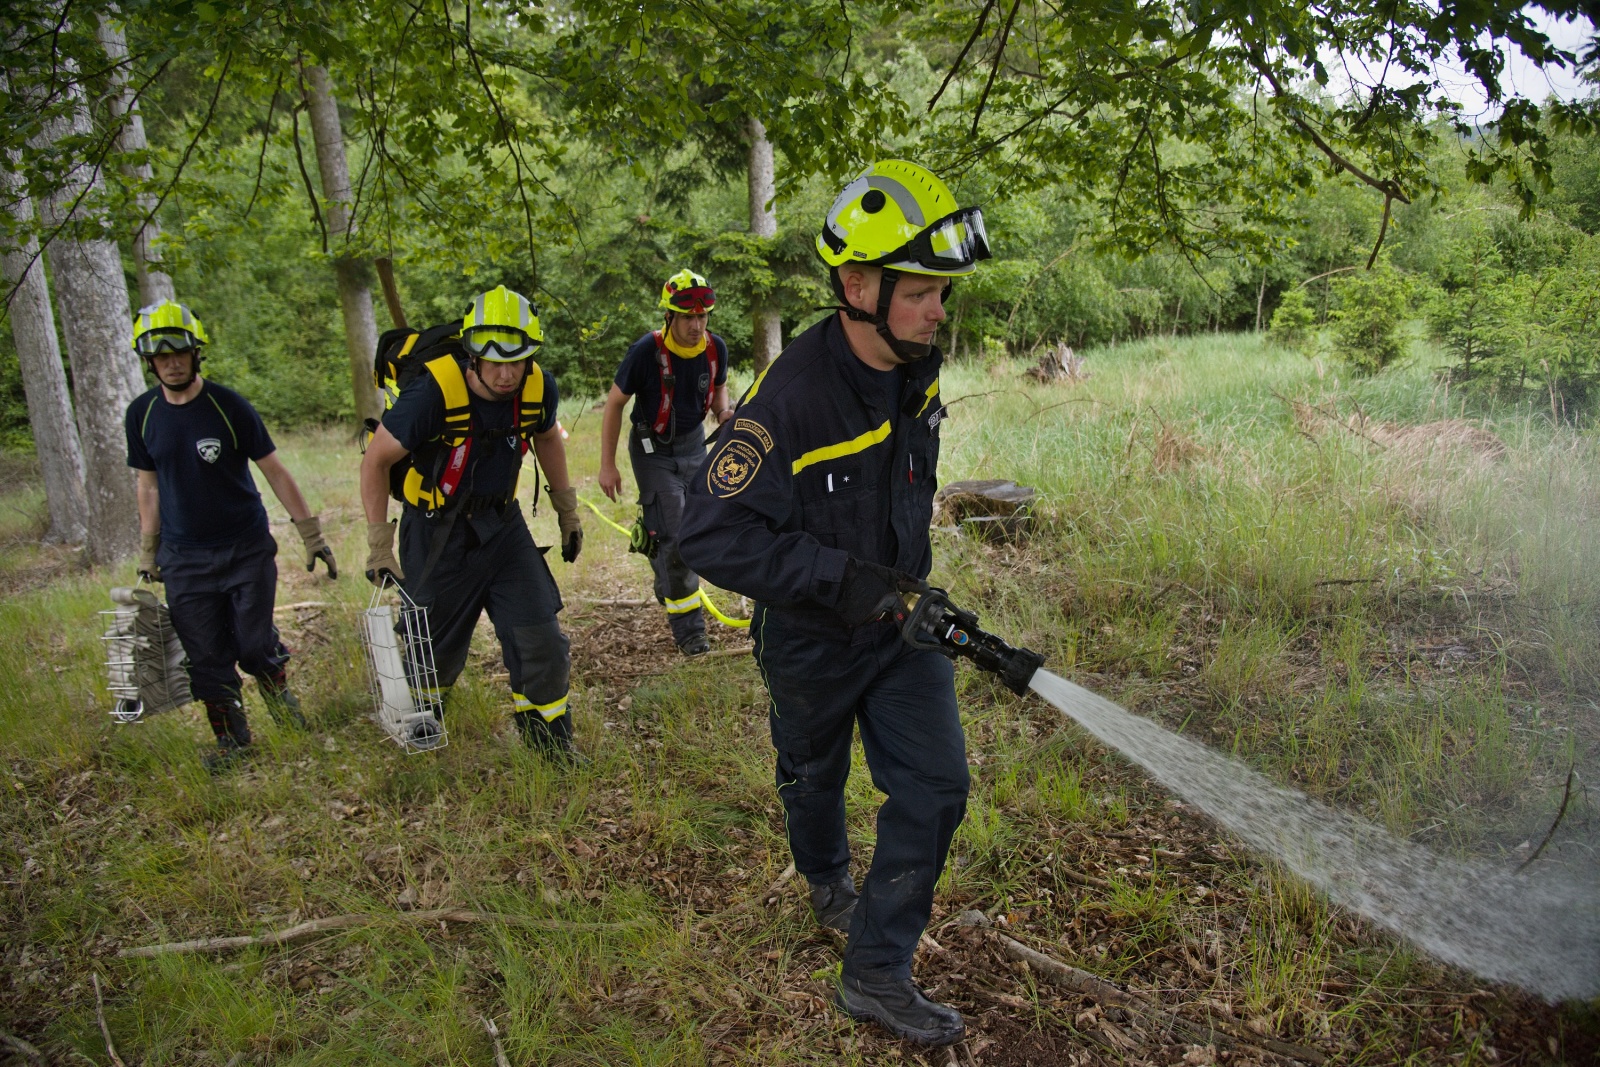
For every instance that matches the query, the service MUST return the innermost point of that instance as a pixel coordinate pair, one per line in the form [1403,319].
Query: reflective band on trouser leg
[548,712]
[688,603]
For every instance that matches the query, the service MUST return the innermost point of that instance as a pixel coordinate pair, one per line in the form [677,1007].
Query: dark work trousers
[663,475]
[221,602]
[905,703]
[500,571]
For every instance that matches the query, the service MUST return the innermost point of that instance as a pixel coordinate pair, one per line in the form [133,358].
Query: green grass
[1411,635]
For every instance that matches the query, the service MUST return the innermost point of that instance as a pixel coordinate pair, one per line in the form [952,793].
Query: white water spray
[1540,933]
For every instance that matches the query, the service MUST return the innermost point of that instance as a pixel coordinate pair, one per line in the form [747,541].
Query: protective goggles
[153,343]
[498,344]
[954,243]
[694,300]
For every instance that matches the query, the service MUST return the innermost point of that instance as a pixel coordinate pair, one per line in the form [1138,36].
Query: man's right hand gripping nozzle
[149,545]
[380,553]
[870,589]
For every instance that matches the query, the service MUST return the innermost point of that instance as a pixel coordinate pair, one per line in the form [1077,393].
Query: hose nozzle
[934,624]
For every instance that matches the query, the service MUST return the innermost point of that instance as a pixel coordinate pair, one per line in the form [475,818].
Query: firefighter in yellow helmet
[679,375]
[203,531]
[815,502]
[450,450]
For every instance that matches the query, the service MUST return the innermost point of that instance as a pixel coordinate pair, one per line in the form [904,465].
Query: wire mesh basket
[401,676]
[146,669]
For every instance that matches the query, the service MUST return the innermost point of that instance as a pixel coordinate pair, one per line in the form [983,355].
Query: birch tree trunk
[350,274]
[44,381]
[92,296]
[155,285]
[766,331]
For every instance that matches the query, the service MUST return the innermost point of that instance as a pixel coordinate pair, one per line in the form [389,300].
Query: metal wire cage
[146,669]
[401,676]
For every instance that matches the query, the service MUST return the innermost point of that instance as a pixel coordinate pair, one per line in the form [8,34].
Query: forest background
[580,154]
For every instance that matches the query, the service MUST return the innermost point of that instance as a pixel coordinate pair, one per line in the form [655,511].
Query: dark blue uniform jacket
[817,466]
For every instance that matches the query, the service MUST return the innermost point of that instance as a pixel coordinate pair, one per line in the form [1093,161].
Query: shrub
[1369,307]
[1294,323]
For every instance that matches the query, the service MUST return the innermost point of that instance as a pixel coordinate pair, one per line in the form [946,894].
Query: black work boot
[282,704]
[689,632]
[553,739]
[834,903]
[899,1007]
[233,734]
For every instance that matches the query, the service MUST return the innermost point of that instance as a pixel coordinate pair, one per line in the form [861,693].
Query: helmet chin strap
[903,351]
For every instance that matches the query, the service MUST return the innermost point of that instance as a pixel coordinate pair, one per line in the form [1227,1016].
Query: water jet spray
[1540,933]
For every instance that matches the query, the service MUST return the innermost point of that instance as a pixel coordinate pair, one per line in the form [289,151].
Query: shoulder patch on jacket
[730,471]
[756,430]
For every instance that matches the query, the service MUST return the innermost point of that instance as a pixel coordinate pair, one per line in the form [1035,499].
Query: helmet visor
[158,342]
[693,300]
[499,344]
[954,243]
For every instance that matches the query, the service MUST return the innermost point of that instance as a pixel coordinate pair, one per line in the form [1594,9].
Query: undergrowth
[1223,541]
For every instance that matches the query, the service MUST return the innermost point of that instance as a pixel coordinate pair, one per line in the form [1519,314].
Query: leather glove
[149,545]
[565,502]
[316,547]
[380,553]
[868,590]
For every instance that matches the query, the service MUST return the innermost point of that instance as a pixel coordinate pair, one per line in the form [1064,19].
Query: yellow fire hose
[705,597]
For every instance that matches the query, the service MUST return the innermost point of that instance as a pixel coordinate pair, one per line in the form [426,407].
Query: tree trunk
[155,285]
[44,381]
[350,271]
[93,298]
[766,330]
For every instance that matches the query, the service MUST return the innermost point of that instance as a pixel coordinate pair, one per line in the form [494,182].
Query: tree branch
[305,176]
[266,135]
[956,66]
[999,51]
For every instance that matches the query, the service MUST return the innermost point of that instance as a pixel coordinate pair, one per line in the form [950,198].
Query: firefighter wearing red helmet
[676,376]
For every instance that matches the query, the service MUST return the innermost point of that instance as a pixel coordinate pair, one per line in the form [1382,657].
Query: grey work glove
[149,545]
[565,502]
[869,589]
[380,553]
[316,546]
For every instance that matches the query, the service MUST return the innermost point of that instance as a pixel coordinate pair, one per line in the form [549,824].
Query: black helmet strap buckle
[906,351]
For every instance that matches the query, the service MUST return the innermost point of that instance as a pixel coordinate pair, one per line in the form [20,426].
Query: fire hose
[636,544]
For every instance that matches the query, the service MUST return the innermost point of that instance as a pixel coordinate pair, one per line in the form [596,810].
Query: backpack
[428,477]
[663,426]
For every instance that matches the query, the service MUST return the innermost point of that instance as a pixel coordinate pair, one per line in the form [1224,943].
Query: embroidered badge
[756,430]
[210,448]
[731,469]
[935,419]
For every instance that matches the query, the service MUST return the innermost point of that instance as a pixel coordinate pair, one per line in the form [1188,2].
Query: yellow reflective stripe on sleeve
[843,448]
[688,603]
[751,394]
[933,391]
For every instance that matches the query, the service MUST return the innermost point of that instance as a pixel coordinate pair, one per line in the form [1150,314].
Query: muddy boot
[553,740]
[901,1008]
[282,704]
[834,904]
[233,735]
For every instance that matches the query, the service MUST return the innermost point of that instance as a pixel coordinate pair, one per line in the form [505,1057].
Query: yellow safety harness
[431,490]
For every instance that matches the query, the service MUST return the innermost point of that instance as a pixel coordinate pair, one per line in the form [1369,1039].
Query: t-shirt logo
[210,448]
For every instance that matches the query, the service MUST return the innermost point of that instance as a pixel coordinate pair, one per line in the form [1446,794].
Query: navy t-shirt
[418,418]
[201,453]
[639,376]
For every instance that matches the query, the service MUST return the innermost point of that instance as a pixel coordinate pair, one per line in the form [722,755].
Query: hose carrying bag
[147,671]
